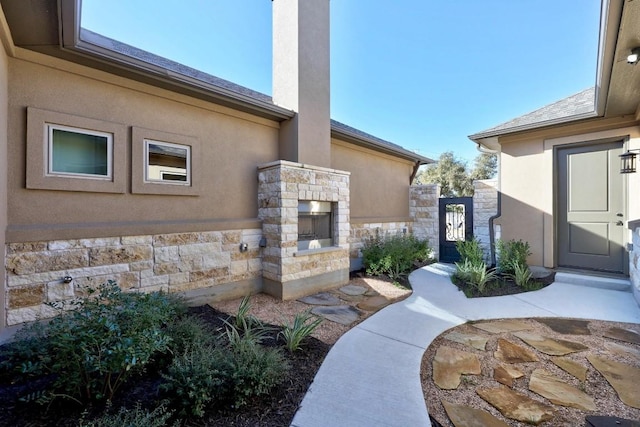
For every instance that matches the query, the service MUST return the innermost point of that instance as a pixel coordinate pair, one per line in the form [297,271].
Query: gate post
[485,205]
[423,209]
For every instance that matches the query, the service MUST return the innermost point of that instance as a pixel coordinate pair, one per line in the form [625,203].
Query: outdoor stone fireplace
[305,215]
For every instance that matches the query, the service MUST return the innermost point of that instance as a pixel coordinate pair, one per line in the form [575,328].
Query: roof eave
[478,137]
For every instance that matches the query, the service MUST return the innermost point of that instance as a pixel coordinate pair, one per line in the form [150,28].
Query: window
[315,229]
[78,152]
[167,163]
[66,152]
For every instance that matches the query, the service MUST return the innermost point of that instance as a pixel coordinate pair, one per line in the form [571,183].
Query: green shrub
[108,337]
[393,255]
[303,325]
[137,417]
[471,251]
[476,275]
[197,377]
[254,370]
[521,275]
[186,331]
[510,254]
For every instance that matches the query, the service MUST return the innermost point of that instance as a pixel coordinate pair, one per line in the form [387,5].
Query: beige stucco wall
[4,88]
[527,181]
[378,183]
[232,144]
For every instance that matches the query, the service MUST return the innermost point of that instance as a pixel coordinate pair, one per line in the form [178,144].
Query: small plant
[393,255]
[187,331]
[254,370]
[521,275]
[476,275]
[470,250]
[137,417]
[303,325]
[511,253]
[195,378]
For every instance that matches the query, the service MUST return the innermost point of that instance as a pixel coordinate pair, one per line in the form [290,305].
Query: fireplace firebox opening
[315,224]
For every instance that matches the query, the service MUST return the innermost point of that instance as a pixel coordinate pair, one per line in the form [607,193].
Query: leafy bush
[393,255]
[470,250]
[186,331]
[510,254]
[195,378]
[93,349]
[521,275]
[254,370]
[137,417]
[476,275]
[303,325]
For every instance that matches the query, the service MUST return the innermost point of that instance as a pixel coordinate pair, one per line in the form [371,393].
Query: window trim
[139,160]
[51,127]
[147,180]
[37,167]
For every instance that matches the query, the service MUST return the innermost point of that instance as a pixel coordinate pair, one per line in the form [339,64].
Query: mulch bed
[500,287]
[276,409]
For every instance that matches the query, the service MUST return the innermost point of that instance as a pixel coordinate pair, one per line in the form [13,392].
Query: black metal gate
[456,223]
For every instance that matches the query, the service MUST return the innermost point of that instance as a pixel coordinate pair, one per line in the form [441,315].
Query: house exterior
[118,164]
[560,183]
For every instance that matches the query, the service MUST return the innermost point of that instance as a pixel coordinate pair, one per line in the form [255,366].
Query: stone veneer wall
[423,209]
[634,261]
[288,272]
[485,205]
[361,231]
[170,262]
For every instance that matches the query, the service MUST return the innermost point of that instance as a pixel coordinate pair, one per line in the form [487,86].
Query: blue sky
[420,73]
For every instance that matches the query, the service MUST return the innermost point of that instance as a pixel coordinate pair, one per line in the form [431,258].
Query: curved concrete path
[371,376]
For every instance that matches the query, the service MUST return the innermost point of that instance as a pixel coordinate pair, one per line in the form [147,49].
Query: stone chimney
[301,79]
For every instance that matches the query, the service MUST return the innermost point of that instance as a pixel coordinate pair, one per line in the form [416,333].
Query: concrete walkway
[371,376]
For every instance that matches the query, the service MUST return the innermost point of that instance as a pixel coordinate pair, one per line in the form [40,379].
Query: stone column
[485,205]
[423,210]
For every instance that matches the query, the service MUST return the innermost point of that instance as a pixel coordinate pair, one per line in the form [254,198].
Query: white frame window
[49,132]
[162,170]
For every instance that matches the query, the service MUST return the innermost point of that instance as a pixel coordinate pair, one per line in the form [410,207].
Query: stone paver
[550,346]
[559,392]
[623,335]
[500,326]
[623,350]
[622,377]
[505,374]
[472,340]
[353,290]
[567,326]
[450,364]
[466,416]
[322,298]
[571,367]
[373,303]
[343,314]
[517,406]
[513,353]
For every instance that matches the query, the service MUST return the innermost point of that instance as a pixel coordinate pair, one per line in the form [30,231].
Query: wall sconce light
[634,56]
[628,161]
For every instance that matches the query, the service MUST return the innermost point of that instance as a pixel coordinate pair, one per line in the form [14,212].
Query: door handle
[619,214]
[619,223]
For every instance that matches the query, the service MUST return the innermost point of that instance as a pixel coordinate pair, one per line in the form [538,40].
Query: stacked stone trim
[170,262]
[289,272]
[485,205]
[423,209]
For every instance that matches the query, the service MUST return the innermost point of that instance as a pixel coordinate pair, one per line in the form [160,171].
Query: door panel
[456,224]
[590,208]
